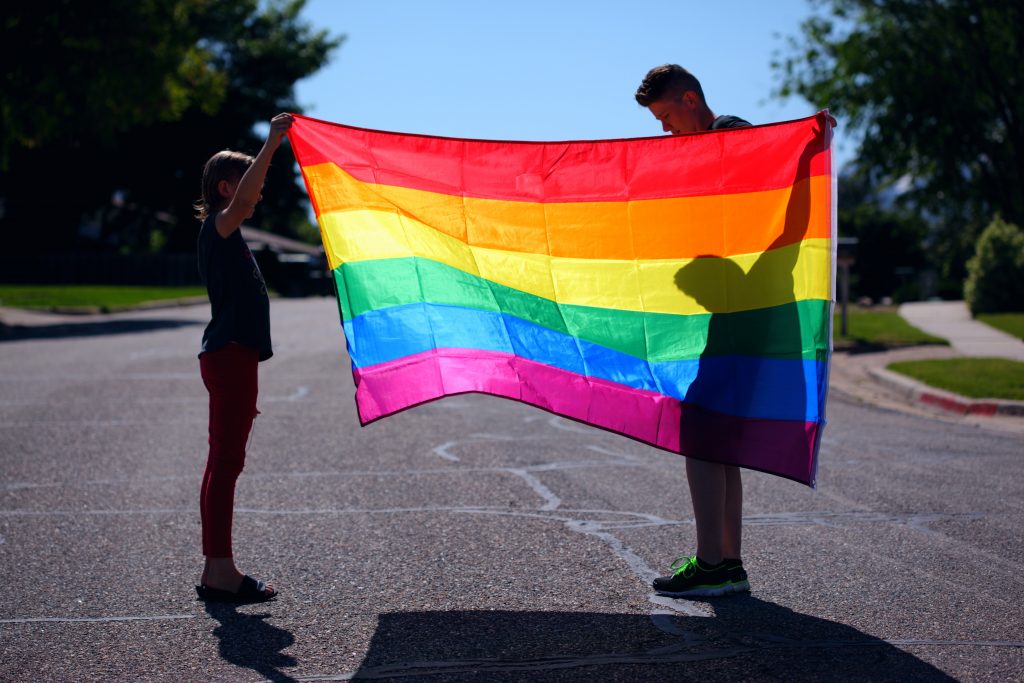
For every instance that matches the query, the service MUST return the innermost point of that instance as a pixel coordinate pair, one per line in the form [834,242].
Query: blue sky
[554,70]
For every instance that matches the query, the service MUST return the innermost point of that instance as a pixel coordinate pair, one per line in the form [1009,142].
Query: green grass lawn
[971,377]
[1011,323]
[89,297]
[878,327]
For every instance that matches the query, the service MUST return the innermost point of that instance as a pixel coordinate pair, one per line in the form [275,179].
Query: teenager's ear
[225,189]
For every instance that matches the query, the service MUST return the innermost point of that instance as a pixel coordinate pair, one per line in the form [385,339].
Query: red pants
[229,374]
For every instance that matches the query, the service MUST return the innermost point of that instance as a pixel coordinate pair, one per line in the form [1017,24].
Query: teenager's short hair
[225,165]
[667,80]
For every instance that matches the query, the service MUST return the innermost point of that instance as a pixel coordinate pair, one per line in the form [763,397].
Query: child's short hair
[225,165]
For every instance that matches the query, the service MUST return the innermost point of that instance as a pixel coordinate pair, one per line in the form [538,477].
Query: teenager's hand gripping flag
[677,290]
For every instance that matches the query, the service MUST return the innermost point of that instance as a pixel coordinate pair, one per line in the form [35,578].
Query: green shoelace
[685,565]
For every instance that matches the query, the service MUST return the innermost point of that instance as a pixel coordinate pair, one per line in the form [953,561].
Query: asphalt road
[471,539]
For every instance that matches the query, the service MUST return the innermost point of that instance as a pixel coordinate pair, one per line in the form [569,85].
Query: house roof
[260,238]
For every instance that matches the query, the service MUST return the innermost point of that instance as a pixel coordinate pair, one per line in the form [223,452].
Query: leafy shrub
[995,274]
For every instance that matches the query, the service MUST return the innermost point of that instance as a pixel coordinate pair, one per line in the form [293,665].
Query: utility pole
[846,247]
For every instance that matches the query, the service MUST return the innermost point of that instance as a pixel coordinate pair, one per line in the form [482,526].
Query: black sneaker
[690,578]
[737,576]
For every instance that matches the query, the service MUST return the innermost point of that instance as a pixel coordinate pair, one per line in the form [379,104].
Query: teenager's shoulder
[728,121]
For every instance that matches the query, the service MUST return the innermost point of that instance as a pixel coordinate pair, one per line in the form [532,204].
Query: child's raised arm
[247,193]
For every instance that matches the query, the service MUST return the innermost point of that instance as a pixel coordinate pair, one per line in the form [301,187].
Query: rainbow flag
[677,290]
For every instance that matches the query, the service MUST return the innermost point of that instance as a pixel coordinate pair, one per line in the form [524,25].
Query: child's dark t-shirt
[239,303]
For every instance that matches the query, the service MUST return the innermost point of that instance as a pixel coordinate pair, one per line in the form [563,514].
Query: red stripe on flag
[759,158]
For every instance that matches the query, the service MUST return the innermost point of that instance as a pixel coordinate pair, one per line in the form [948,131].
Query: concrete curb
[922,393]
[144,306]
[39,317]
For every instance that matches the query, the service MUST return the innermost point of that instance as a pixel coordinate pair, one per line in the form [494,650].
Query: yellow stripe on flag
[724,285]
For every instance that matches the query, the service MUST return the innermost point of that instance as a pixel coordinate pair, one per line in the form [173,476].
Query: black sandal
[250,591]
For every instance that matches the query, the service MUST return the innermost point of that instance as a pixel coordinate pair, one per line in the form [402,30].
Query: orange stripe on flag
[685,227]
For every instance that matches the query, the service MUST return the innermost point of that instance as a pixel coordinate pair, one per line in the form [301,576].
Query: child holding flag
[234,342]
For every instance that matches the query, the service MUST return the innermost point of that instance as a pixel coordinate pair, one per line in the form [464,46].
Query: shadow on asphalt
[748,639]
[248,641]
[89,329]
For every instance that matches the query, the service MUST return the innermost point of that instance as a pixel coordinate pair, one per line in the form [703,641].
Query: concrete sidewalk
[952,321]
[864,377]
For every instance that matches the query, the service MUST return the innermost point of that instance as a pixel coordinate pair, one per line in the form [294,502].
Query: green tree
[75,71]
[936,91]
[890,239]
[126,99]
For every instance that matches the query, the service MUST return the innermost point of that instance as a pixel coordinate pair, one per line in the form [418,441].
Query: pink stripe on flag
[781,447]
[387,388]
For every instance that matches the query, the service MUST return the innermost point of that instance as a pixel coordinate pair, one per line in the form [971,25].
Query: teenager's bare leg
[732,529]
[708,491]
[717,494]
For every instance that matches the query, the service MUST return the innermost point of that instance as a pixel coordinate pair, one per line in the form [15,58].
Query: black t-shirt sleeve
[728,121]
